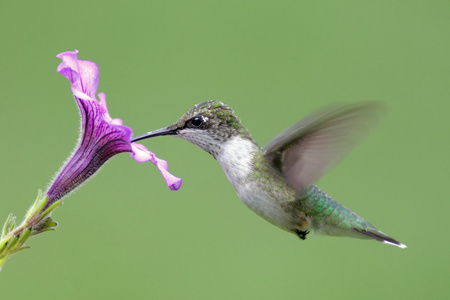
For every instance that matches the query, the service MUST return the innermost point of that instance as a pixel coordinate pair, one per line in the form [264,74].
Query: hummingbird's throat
[236,158]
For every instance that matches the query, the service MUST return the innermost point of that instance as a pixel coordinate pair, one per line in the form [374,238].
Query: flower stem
[37,220]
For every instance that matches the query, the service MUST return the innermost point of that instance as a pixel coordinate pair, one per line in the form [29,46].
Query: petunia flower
[101,136]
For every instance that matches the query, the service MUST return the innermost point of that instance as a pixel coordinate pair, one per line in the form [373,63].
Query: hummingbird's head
[208,125]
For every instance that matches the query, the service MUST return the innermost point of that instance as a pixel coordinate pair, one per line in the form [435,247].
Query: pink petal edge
[141,154]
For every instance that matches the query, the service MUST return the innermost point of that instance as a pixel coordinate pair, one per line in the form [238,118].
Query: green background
[125,235]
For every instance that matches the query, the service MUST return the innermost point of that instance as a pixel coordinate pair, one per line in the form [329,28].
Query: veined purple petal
[141,154]
[83,74]
[101,137]
[99,141]
[106,115]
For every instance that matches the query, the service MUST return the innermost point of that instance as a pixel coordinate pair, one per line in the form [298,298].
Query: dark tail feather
[379,236]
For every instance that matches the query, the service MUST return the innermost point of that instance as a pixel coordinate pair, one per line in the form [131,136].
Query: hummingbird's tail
[380,236]
[331,218]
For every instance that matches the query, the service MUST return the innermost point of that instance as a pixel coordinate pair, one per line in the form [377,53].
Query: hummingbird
[277,182]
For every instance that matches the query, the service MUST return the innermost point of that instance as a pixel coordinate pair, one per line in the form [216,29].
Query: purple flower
[101,136]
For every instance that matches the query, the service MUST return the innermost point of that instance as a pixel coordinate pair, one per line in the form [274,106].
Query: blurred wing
[308,149]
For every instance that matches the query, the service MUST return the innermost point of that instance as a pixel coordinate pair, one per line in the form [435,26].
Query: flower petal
[83,74]
[106,115]
[101,136]
[174,183]
[141,154]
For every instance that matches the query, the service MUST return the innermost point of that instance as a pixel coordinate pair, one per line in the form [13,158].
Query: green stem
[36,221]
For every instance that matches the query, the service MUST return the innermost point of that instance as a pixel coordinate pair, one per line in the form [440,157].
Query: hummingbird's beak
[158,132]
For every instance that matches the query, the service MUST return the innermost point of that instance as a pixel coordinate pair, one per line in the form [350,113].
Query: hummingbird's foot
[302,234]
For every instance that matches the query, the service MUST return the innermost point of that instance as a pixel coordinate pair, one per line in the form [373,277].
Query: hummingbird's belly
[278,211]
[272,199]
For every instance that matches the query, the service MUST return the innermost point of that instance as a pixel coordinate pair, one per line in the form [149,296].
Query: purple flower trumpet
[101,136]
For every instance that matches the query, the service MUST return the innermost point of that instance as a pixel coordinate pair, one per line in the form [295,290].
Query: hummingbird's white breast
[237,158]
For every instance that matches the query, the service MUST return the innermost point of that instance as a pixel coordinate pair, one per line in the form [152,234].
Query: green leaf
[2,261]
[43,230]
[13,242]
[41,204]
[10,220]
[45,225]
[52,224]
[4,243]
[33,209]
[48,223]
[50,209]
[24,235]
[19,249]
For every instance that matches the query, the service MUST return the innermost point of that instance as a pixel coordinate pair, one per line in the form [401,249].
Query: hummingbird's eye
[197,121]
